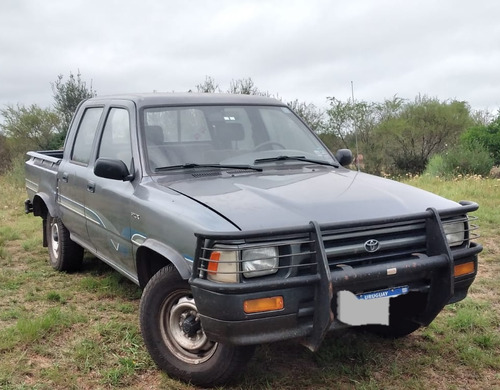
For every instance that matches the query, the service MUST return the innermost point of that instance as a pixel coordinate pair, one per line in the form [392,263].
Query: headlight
[259,261]
[224,263]
[455,232]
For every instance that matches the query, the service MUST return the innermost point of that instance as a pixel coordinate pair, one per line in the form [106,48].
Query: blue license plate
[388,293]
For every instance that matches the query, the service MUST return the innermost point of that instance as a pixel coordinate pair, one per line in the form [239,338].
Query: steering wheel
[262,146]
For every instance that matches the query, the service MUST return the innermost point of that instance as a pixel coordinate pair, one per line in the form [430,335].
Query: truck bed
[41,173]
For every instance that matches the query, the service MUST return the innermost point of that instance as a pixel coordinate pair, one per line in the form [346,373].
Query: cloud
[304,50]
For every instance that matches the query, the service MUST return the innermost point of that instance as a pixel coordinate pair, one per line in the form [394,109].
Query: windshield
[226,135]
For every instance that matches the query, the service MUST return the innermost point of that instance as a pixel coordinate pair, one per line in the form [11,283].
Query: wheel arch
[153,256]
[42,208]
[42,205]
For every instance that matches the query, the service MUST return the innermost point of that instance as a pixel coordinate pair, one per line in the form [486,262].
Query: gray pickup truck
[242,228]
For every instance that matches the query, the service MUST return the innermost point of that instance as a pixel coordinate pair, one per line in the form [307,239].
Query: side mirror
[112,169]
[344,157]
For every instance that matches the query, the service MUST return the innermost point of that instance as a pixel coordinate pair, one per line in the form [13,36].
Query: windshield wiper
[294,158]
[194,165]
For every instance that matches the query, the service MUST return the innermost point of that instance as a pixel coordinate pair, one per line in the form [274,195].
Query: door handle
[91,187]
[65,177]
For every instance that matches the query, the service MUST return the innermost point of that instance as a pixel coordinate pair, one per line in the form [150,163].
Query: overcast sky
[305,50]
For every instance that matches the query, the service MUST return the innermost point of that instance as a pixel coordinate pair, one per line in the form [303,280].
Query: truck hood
[289,198]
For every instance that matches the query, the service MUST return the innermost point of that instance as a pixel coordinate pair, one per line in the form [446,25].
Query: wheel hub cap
[191,326]
[185,327]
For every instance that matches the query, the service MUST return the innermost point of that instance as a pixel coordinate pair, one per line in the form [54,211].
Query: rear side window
[82,148]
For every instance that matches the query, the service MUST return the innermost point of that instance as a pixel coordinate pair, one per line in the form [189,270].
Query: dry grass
[80,331]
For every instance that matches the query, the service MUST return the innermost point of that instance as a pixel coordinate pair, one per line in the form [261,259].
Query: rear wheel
[173,335]
[64,254]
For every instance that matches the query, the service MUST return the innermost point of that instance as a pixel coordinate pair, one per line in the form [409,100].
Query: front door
[108,201]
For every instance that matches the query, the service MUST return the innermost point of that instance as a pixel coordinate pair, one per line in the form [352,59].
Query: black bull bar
[437,259]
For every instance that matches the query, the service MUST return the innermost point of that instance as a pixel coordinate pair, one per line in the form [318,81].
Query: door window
[82,148]
[115,140]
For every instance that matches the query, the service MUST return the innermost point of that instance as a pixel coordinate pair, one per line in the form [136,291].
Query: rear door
[73,174]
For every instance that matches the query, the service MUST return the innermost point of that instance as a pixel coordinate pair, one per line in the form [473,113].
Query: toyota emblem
[372,246]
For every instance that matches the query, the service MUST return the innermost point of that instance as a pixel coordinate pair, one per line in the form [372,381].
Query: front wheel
[172,332]
[64,254]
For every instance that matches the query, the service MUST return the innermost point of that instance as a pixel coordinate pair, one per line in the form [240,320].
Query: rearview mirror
[112,169]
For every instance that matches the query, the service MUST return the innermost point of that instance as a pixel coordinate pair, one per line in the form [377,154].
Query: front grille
[387,241]
[353,244]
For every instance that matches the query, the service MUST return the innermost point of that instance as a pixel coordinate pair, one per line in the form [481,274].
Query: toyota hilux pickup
[242,228]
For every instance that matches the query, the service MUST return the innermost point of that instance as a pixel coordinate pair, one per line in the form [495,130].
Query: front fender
[145,271]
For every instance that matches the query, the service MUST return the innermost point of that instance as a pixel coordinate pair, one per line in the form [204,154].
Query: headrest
[154,135]
[225,131]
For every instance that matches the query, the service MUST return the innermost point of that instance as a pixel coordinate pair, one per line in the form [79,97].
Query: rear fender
[42,205]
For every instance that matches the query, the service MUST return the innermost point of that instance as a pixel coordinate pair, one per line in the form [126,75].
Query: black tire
[64,254]
[172,332]
[401,311]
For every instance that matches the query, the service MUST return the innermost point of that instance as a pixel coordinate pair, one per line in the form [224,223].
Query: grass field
[80,331]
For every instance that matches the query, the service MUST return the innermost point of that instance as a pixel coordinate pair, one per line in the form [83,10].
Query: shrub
[462,160]
[487,136]
[435,167]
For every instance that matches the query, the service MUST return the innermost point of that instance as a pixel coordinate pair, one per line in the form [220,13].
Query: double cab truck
[242,228]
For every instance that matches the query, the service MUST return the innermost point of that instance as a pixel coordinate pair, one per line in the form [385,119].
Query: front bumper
[310,300]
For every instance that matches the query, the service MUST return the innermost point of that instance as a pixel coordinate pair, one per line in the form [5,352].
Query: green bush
[435,166]
[462,160]
[487,136]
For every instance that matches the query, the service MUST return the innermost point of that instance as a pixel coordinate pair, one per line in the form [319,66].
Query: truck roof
[188,98]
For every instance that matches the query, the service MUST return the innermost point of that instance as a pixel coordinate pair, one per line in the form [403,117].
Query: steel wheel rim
[178,313]
[54,239]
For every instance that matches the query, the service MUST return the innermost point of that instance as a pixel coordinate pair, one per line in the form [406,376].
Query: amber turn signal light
[213,265]
[464,269]
[263,304]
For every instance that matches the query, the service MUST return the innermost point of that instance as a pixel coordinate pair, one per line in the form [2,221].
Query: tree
[355,123]
[67,96]
[397,134]
[313,116]
[421,129]
[208,86]
[344,119]
[30,128]
[245,87]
